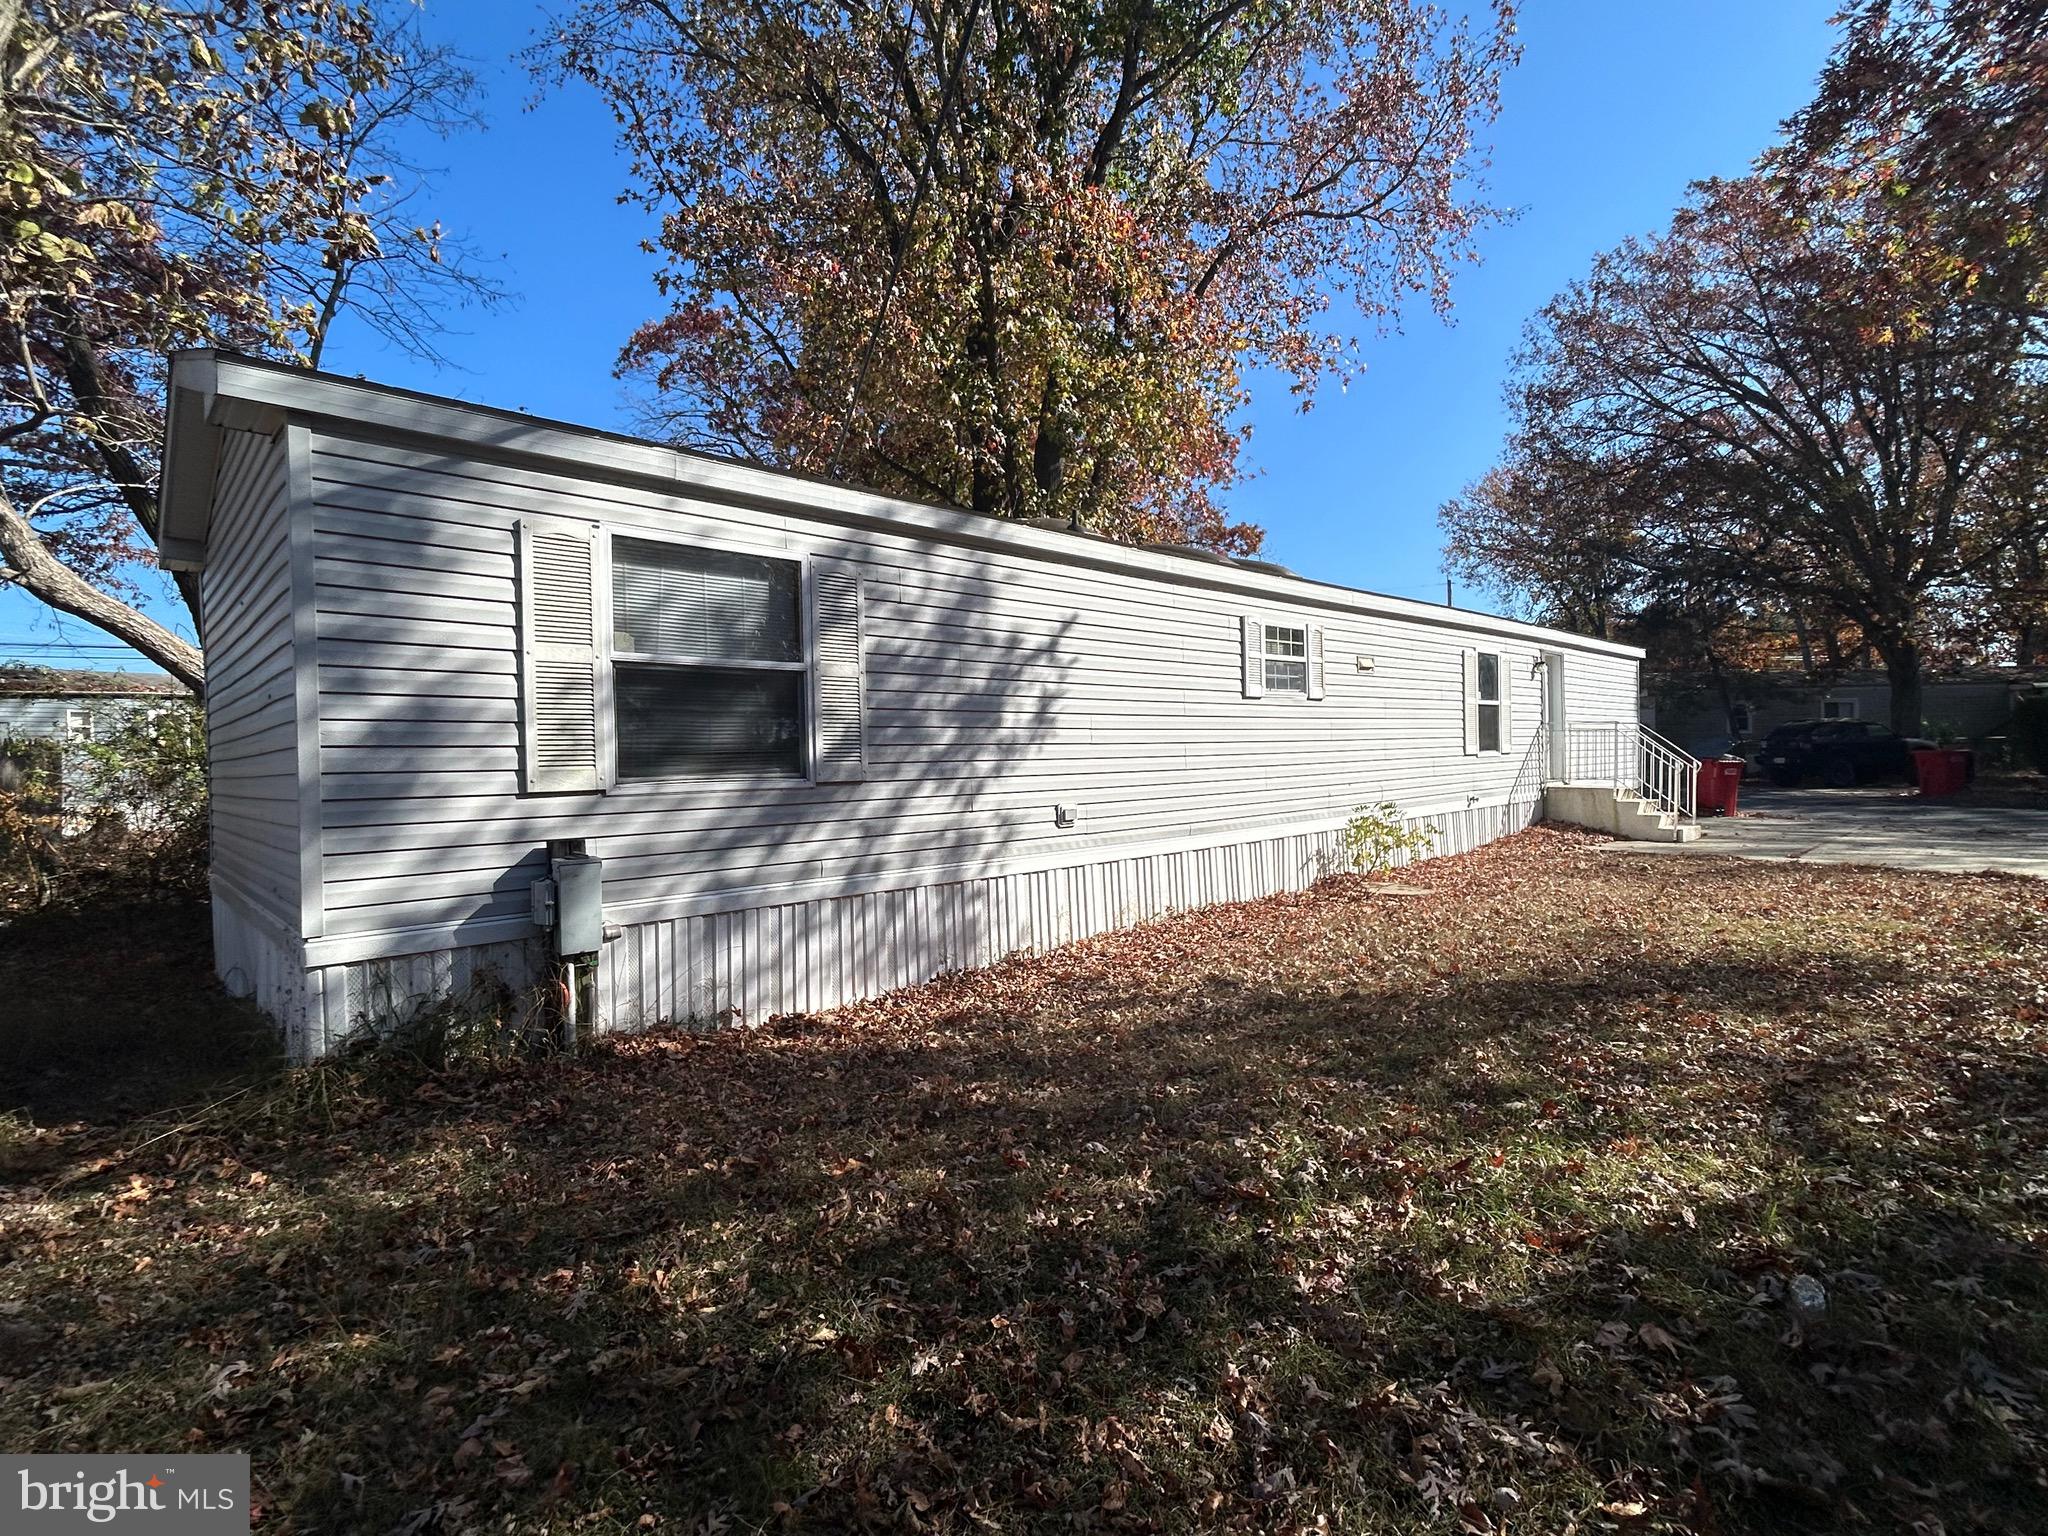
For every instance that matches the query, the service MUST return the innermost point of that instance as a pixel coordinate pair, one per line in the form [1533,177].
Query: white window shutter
[1508,675]
[1254,633]
[837,643]
[558,655]
[1315,661]
[1471,703]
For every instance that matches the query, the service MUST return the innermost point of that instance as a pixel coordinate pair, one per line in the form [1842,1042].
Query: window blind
[713,605]
[687,722]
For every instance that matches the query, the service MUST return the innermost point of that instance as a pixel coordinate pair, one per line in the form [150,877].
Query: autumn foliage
[1016,256]
[1815,400]
[225,173]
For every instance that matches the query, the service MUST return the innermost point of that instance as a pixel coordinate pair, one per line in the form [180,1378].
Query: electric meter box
[579,904]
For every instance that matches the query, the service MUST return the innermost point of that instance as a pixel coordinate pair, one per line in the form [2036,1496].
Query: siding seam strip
[298,512]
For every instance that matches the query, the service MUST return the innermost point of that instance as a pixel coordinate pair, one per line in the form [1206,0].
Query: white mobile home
[52,714]
[824,743]
[77,704]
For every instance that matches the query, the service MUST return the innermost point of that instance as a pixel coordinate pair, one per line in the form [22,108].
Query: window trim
[1748,727]
[1853,707]
[609,657]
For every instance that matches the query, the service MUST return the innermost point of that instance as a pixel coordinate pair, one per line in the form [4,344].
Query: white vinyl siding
[245,597]
[995,686]
[1601,690]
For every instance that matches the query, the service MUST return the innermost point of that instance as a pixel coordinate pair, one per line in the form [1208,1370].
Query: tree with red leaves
[1015,257]
[1763,402]
[1928,142]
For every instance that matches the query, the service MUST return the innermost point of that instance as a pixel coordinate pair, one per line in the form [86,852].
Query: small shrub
[138,794]
[2029,732]
[1378,837]
[19,1140]
[486,1023]
[29,859]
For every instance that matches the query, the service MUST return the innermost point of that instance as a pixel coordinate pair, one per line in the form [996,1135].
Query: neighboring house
[55,704]
[825,743]
[70,707]
[1969,705]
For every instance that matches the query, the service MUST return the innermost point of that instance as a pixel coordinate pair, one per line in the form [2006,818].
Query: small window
[1740,720]
[1489,702]
[1286,657]
[78,725]
[1838,709]
[707,662]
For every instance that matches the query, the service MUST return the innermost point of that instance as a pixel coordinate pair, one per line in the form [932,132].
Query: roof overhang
[210,392]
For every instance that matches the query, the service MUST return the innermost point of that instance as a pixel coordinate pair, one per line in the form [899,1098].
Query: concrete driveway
[1886,826]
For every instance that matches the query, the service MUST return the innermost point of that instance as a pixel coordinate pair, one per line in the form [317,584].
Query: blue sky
[1617,105]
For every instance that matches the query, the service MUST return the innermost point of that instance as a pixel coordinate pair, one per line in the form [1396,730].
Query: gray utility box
[579,904]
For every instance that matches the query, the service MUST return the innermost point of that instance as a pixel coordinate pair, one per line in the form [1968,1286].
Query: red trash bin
[1941,772]
[1716,788]
[1731,783]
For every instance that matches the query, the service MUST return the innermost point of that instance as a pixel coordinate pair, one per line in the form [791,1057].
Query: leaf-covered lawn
[1487,1205]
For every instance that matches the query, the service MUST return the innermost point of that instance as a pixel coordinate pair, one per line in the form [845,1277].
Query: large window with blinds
[707,662]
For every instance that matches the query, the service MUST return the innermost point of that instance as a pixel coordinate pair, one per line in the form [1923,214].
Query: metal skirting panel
[317,1009]
[255,961]
[376,994]
[748,966]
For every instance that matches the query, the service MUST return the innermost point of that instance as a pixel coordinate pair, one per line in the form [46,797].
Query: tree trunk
[1049,451]
[86,371]
[1902,671]
[1724,690]
[32,567]
[1805,639]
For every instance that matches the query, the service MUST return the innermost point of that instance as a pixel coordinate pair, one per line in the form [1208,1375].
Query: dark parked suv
[1837,752]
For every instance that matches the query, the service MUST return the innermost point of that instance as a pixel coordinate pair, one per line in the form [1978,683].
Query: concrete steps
[1603,808]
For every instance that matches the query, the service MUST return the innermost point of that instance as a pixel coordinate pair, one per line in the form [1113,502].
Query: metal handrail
[1635,760]
[1528,786]
[1669,776]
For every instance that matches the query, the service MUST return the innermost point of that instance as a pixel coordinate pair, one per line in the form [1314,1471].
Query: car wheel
[1838,773]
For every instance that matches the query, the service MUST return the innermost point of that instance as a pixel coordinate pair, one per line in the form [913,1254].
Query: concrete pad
[1870,826]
